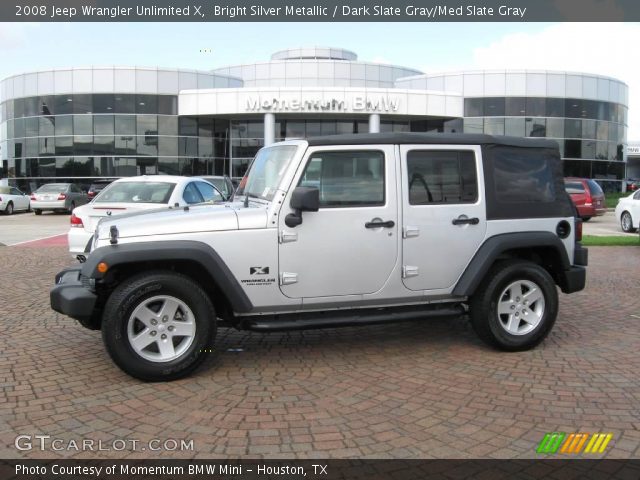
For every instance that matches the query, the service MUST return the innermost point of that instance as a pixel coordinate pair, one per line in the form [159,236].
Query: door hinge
[409,231]
[409,271]
[287,278]
[286,237]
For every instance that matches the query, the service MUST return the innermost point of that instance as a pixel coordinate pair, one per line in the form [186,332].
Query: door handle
[462,220]
[380,224]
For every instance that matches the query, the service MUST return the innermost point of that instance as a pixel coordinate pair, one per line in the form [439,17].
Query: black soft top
[430,138]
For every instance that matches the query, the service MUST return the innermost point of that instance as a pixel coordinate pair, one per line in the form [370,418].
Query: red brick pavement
[414,390]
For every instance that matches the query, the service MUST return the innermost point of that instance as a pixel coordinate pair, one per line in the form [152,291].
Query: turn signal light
[76,221]
[103,267]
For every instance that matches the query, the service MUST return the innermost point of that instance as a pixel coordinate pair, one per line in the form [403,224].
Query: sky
[600,48]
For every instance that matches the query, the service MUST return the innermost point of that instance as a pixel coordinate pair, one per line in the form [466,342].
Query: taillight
[578,229]
[33,196]
[62,196]
[91,194]
[76,221]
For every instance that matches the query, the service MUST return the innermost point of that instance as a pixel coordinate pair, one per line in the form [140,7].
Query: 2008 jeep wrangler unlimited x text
[340,230]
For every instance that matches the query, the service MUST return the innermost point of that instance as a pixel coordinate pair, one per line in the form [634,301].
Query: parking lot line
[50,241]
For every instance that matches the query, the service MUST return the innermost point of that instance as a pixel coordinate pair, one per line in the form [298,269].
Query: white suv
[341,230]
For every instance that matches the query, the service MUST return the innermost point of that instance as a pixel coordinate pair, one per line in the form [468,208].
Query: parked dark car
[587,196]
[223,184]
[96,187]
[632,185]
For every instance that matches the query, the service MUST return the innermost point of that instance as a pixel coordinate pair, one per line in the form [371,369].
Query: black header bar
[319,11]
[320,469]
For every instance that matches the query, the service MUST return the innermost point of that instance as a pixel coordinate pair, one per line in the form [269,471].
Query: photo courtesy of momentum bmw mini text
[328,240]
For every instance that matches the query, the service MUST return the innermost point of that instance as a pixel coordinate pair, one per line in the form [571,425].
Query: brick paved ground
[418,390]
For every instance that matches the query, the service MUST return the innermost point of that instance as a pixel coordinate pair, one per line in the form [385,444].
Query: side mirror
[303,199]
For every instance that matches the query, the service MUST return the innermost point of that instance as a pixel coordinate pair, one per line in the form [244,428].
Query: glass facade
[108,135]
[591,134]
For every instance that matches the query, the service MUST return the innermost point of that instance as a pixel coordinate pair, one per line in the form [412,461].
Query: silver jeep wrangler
[333,231]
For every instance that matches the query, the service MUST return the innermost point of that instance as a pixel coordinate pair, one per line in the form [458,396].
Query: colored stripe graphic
[551,442]
[574,443]
[598,443]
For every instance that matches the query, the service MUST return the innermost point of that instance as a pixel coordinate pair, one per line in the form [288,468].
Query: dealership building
[84,123]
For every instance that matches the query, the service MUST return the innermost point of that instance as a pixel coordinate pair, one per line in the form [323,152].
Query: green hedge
[612,241]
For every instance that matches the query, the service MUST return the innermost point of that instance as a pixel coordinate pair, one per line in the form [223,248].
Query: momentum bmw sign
[358,103]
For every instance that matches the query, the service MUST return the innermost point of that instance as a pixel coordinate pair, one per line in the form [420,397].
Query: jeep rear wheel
[516,306]
[158,326]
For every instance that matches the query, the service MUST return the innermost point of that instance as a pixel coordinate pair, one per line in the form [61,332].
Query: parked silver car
[57,197]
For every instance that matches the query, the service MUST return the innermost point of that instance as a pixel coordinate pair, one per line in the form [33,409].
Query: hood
[91,213]
[202,218]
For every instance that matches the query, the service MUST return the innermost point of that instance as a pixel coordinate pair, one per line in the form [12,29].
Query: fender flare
[494,246]
[180,250]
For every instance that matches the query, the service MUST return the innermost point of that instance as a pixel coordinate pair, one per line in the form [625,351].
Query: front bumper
[72,297]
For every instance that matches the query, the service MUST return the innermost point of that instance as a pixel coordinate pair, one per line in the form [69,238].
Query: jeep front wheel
[516,306]
[158,326]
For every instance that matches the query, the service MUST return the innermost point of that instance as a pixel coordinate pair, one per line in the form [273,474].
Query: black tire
[586,219]
[489,325]
[133,293]
[9,209]
[37,211]
[626,223]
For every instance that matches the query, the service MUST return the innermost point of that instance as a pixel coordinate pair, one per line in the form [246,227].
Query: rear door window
[441,177]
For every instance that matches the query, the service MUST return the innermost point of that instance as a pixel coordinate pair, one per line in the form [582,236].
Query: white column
[374,123]
[269,128]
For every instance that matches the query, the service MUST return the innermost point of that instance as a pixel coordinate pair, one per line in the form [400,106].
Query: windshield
[263,177]
[136,192]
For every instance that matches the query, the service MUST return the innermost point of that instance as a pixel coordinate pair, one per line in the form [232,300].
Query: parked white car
[134,194]
[628,212]
[13,200]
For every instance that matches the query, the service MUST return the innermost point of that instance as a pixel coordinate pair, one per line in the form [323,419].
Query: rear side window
[594,188]
[523,175]
[574,187]
[346,179]
[441,177]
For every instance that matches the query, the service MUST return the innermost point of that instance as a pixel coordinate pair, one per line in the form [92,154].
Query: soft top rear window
[523,175]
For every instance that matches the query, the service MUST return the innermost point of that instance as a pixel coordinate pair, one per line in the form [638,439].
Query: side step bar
[348,318]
